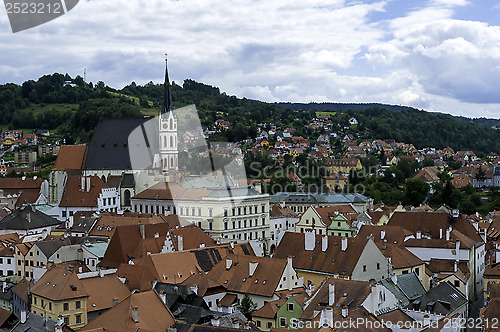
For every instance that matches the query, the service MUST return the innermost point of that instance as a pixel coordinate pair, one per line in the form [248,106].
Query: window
[263,221]
[78,305]
[225,225]
[50,305]
[9,261]
[210,225]
[457,283]
[258,323]
[364,268]
[66,306]
[199,211]
[210,212]
[378,266]
[290,306]
[66,320]
[269,325]
[225,212]
[63,214]
[282,321]
[78,319]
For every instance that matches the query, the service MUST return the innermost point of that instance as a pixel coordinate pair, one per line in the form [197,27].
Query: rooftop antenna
[85,74]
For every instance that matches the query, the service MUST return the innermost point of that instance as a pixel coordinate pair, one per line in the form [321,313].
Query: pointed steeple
[167,97]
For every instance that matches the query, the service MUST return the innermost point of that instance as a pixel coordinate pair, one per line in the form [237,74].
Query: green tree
[415,191]
[247,307]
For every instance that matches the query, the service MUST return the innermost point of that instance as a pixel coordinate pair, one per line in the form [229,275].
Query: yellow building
[491,276]
[25,260]
[343,165]
[59,293]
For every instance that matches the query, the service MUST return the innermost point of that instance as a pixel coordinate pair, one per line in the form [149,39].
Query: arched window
[127,197]
[171,124]
[165,141]
[171,141]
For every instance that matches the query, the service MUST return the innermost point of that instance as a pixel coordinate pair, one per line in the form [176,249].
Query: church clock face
[164,126]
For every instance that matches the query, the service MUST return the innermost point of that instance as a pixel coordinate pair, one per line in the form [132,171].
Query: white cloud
[272,50]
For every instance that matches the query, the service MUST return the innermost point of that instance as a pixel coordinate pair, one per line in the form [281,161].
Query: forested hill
[342,107]
[73,107]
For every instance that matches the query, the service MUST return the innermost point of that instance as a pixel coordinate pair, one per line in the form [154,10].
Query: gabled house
[59,292]
[140,311]
[280,313]
[28,221]
[259,277]
[104,292]
[315,257]
[331,220]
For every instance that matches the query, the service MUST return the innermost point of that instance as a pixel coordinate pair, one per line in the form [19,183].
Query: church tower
[168,130]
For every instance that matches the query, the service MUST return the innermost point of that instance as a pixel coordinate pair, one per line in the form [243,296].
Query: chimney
[232,245]
[28,216]
[252,268]
[114,302]
[331,294]
[419,235]
[83,183]
[58,328]
[344,244]
[457,250]
[142,230]
[134,313]
[60,320]
[382,235]
[88,183]
[324,243]
[448,232]
[180,243]
[440,233]
[80,269]
[194,289]
[384,244]
[23,316]
[345,311]
[455,266]
[309,240]
[394,279]
[101,273]
[229,263]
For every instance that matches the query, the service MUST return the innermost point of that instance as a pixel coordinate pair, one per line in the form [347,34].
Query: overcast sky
[437,55]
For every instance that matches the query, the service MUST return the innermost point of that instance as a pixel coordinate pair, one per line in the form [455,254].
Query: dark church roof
[109,148]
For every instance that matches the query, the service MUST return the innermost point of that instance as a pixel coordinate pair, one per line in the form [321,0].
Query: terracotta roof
[70,157]
[491,314]
[448,265]
[349,293]
[430,223]
[152,315]
[28,196]
[279,211]
[206,286]
[269,309]
[263,282]
[19,183]
[333,260]
[228,300]
[21,289]
[126,241]
[24,247]
[173,267]
[400,256]
[107,223]
[103,290]
[395,317]
[171,191]
[76,196]
[137,277]
[192,238]
[9,239]
[58,284]
[393,234]
[493,271]
[428,174]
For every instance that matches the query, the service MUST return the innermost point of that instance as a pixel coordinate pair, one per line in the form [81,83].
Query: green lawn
[325,113]
[37,108]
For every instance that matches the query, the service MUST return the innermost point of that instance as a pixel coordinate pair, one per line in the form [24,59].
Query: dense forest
[74,110]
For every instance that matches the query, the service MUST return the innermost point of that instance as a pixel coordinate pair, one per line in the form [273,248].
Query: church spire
[167,97]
